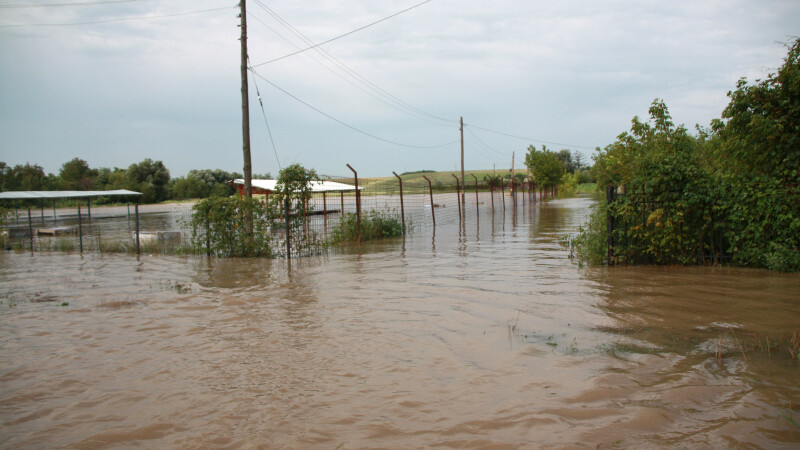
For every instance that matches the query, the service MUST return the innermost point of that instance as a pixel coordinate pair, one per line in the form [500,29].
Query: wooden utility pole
[462,158]
[248,169]
[512,167]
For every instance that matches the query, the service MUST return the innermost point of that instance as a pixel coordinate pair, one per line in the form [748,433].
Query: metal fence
[623,247]
[417,201]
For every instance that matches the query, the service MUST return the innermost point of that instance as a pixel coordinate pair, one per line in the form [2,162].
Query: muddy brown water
[486,337]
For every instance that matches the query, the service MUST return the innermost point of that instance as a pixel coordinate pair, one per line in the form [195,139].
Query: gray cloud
[568,72]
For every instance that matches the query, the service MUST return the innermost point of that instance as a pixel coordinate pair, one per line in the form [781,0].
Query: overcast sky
[570,74]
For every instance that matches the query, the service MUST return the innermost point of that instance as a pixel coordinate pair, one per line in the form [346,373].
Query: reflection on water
[483,335]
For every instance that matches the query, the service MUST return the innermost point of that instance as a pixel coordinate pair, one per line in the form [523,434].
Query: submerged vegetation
[374,225]
[729,194]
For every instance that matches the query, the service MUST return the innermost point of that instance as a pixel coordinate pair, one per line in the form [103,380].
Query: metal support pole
[89,204]
[477,207]
[610,224]
[288,228]
[458,198]
[325,211]
[503,194]
[30,227]
[80,228]
[358,203]
[402,208]
[208,237]
[341,195]
[138,241]
[430,189]
[491,192]
[54,210]
[41,206]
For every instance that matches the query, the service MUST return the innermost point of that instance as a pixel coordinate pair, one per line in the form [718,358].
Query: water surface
[473,336]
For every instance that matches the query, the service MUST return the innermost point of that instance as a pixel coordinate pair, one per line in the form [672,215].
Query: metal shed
[59,195]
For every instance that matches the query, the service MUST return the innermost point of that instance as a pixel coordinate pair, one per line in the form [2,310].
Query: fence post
[402,208]
[491,192]
[80,229]
[288,228]
[503,194]
[458,197]
[54,210]
[30,227]
[138,240]
[609,223]
[89,206]
[41,206]
[477,208]
[430,189]
[358,203]
[208,236]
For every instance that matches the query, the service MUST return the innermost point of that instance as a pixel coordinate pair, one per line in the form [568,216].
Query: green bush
[219,225]
[374,225]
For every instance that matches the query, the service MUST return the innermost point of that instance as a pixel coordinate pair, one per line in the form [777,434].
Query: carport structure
[41,196]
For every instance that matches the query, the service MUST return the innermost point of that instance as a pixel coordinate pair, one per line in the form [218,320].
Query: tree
[762,132]
[22,177]
[216,181]
[294,186]
[111,179]
[546,167]
[150,178]
[188,187]
[76,175]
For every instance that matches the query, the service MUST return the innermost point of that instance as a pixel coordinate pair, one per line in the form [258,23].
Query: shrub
[374,225]
[218,225]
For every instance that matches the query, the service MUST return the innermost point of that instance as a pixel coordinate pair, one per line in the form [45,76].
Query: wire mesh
[165,227]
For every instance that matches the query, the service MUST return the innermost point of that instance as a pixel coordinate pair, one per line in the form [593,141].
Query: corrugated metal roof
[47,195]
[316,186]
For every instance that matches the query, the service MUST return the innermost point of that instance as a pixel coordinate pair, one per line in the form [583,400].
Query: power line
[346,124]
[484,144]
[529,139]
[379,94]
[263,113]
[345,34]
[51,5]
[119,19]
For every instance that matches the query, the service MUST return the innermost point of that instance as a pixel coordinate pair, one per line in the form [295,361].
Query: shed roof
[316,186]
[46,195]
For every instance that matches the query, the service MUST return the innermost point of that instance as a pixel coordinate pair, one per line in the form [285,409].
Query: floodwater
[484,336]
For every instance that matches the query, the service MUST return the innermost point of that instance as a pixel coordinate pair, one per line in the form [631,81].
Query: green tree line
[730,189]
[149,177]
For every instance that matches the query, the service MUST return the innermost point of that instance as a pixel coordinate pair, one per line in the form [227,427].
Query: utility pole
[248,169]
[462,158]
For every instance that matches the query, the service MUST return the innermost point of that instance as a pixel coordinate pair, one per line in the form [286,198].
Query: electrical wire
[529,139]
[119,19]
[263,113]
[358,130]
[475,136]
[50,5]
[358,81]
[345,34]
[345,67]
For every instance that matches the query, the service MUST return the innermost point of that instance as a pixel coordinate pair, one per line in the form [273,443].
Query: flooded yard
[473,336]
